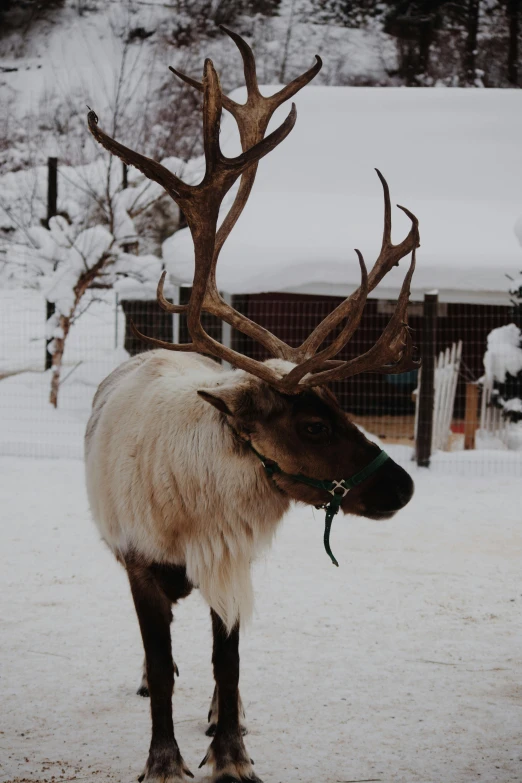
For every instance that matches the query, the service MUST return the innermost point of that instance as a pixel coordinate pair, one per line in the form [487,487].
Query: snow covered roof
[452,156]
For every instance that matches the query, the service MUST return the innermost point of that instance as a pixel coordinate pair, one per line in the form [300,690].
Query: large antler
[201,204]
[252,118]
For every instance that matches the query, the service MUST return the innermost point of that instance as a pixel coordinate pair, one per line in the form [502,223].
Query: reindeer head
[305,435]
[281,407]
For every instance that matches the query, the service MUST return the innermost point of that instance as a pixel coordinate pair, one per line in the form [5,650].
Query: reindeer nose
[393,490]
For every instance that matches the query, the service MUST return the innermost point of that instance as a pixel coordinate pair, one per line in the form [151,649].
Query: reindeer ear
[226,399]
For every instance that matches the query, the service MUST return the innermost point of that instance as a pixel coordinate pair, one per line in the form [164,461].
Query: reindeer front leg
[153,607]
[227,752]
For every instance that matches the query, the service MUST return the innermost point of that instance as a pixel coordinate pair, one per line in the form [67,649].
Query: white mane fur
[167,481]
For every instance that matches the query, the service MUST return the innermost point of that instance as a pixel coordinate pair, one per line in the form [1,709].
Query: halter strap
[337,489]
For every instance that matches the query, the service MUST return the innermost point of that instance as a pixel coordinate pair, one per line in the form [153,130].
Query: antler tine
[392,353]
[212,105]
[174,186]
[169,307]
[187,79]
[298,83]
[159,343]
[249,62]
[391,254]
[228,103]
[249,69]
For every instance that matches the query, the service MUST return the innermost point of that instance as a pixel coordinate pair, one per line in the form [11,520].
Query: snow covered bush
[91,244]
[503,361]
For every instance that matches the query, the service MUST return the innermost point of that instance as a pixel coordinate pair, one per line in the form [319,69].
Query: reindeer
[191,467]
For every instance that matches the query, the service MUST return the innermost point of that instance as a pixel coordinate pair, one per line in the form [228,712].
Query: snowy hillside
[58,55]
[115,57]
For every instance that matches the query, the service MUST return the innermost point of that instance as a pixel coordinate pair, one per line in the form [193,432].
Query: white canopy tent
[452,156]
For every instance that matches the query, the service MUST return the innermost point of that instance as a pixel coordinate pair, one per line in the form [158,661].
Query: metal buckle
[338,485]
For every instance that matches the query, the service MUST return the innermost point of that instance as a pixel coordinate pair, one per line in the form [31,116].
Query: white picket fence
[447,368]
[491,420]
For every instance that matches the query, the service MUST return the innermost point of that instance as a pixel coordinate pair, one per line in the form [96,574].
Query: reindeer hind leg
[143,687]
[212,718]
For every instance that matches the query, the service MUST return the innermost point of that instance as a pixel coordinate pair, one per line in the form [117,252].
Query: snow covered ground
[402,665]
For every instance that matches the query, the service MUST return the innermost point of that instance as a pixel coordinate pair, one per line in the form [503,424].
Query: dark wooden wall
[292,317]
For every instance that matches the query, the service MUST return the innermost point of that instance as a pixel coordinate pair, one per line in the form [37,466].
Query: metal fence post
[226,330]
[427,380]
[52,209]
[116,309]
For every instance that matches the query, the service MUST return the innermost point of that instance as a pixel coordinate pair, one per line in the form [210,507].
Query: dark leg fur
[143,688]
[227,752]
[154,588]
[213,715]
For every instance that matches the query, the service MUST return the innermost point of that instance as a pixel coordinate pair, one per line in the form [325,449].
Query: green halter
[337,489]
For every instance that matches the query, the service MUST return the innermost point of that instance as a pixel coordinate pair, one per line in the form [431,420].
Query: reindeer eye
[316,427]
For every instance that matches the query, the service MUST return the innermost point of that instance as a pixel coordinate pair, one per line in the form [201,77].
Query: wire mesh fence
[384,405]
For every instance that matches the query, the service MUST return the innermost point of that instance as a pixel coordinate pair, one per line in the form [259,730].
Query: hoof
[165,766]
[167,777]
[230,761]
[143,691]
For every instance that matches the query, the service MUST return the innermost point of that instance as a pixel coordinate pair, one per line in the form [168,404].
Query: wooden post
[513,10]
[52,209]
[471,415]
[427,380]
